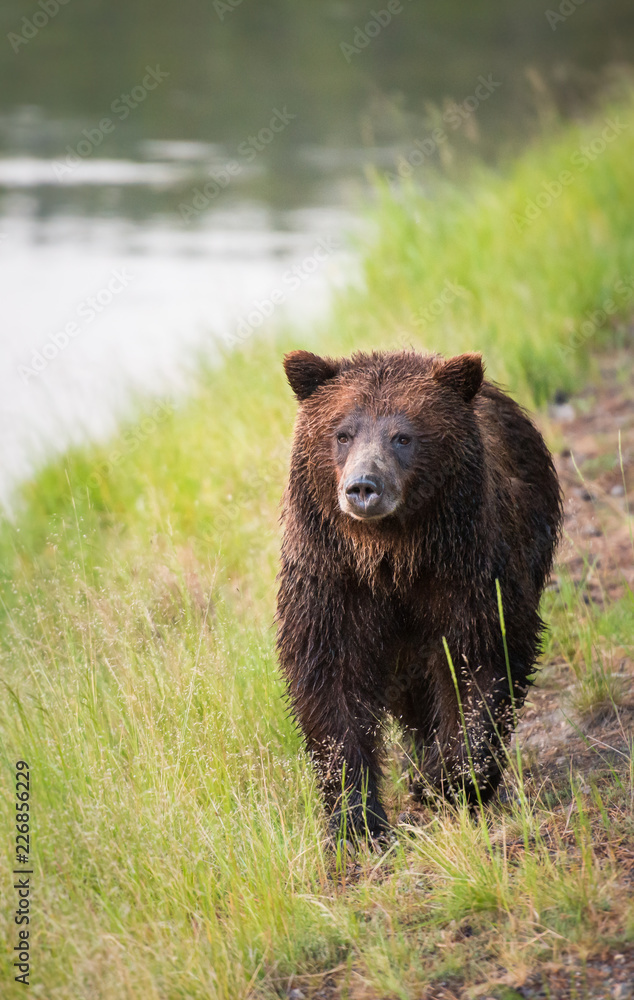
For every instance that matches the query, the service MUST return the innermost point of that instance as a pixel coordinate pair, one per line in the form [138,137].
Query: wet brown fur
[363,607]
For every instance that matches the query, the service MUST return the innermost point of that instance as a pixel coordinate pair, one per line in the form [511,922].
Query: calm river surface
[167,170]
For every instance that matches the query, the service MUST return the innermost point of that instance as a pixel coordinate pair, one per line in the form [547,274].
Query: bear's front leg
[343,743]
[333,653]
[466,753]
[461,764]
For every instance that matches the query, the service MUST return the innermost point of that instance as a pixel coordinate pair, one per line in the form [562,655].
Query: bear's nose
[364,492]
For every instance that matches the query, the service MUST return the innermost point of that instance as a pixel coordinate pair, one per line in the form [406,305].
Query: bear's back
[522,470]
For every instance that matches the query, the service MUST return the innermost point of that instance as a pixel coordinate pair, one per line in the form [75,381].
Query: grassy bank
[178,839]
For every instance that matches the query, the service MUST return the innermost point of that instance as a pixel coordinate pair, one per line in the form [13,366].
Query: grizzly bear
[418,495]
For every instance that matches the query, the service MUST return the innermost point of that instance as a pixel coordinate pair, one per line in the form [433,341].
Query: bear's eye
[402,439]
[342,437]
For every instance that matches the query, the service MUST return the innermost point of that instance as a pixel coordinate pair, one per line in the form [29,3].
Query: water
[166,172]
[101,309]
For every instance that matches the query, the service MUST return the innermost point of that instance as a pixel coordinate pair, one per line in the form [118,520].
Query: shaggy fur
[364,605]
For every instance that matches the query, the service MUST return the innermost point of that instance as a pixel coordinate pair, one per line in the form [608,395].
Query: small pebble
[591,531]
[617,491]
[296,995]
[565,413]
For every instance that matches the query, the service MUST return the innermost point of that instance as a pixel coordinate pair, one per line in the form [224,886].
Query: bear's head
[379,435]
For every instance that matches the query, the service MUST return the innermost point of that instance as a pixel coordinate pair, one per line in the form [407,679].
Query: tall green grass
[178,836]
[520,282]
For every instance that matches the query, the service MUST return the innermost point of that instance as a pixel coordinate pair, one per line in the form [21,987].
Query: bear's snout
[364,493]
[368,493]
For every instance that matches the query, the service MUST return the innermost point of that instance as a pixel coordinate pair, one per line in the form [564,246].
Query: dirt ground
[597,476]
[595,463]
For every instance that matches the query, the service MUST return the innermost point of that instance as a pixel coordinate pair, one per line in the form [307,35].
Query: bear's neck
[439,544]
[447,540]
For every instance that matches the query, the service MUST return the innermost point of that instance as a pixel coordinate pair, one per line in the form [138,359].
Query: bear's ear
[464,374]
[306,372]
